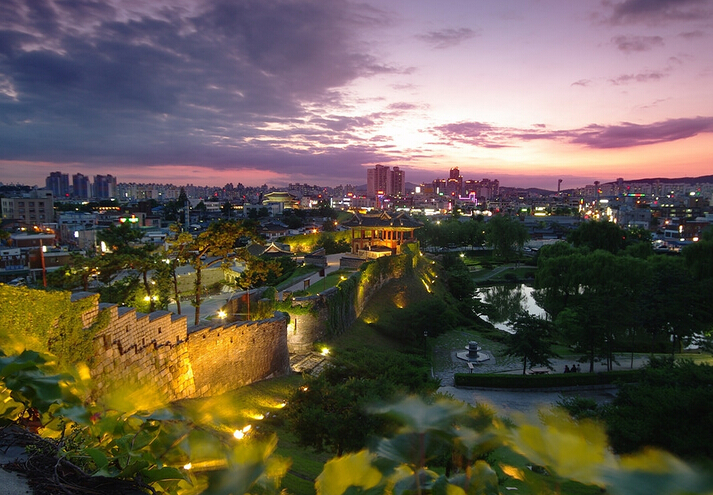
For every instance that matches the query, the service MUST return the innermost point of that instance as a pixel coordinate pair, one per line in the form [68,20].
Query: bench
[470,367]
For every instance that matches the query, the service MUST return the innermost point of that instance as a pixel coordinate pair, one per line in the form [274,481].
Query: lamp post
[425,342]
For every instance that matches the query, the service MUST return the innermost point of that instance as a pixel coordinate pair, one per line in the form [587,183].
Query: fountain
[473,353]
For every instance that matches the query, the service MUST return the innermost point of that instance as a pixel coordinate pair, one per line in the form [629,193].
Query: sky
[317,91]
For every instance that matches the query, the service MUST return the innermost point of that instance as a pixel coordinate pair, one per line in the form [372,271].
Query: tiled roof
[382,219]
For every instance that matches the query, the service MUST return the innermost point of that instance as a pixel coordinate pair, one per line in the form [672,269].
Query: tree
[219,239]
[591,296]
[530,341]
[673,301]
[201,208]
[506,235]
[78,273]
[119,238]
[334,416]
[176,255]
[226,210]
[145,259]
[699,256]
[457,277]
[599,235]
[331,245]
[258,271]
[668,408]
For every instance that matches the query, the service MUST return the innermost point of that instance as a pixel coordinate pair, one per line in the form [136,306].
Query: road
[508,402]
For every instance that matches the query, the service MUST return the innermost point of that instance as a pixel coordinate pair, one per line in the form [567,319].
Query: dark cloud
[637,43]
[447,38]
[627,134]
[624,135]
[399,106]
[642,77]
[660,11]
[222,84]
[691,35]
[582,82]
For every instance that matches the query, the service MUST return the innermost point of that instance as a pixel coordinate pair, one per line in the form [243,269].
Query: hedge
[558,380]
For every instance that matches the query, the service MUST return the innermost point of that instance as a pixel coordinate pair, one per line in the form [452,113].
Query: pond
[506,301]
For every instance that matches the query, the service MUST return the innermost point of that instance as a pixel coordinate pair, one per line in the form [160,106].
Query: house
[273,230]
[380,233]
[272,250]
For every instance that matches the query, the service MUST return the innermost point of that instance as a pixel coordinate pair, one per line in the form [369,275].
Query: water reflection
[504,302]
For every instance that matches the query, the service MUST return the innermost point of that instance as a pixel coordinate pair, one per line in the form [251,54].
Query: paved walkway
[507,402]
[315,278]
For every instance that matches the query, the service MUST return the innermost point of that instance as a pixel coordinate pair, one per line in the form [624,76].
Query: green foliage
[126,291]
[333,244]
[341,305]
[333,415]
[668,408]
[409,373]
[46,322]
[452,231]
[699,259]
[580,407]
[457,277]
[330,411]
[132,435]
[408,325]
[554,380]
[307,243]
[599,235]
[530,341]
[507,236]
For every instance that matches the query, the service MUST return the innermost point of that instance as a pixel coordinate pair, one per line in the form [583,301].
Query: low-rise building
[381,232]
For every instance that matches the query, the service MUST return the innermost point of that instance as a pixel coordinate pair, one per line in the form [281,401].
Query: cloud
[624,135]
[630,44]
[217,84]
[692,35]
[659,11]
[582,82]
[641,77]
[447,38]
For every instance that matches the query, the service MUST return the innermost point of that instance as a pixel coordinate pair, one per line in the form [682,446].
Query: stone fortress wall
[158,348]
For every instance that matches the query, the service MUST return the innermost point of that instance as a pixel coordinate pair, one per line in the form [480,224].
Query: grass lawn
[299,273]
[328,282]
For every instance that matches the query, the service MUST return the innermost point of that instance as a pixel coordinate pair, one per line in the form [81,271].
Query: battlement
[158,348]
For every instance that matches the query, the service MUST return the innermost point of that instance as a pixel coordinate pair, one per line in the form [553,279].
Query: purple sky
[316,91]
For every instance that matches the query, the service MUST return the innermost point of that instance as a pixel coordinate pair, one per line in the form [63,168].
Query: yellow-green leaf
[344,472]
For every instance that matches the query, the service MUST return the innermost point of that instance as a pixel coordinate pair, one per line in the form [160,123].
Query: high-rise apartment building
[377,180]
[58,183]
[104,186]
[398,182]
[80,186]
[382,181]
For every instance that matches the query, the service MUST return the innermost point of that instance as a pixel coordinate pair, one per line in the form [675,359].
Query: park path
[314,278]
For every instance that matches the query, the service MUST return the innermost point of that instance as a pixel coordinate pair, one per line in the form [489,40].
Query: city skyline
[318,92]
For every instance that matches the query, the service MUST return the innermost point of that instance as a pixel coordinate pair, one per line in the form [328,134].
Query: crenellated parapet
[181,362]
